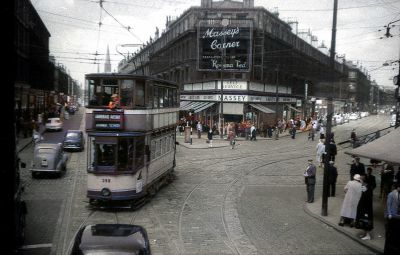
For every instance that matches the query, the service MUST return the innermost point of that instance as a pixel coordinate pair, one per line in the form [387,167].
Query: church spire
[107,63]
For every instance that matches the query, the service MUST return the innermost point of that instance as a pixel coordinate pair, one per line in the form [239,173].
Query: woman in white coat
[353,190]
[320,152]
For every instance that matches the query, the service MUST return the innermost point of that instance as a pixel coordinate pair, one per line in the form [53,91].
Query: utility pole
[325,191]
[276,94]
[224,23]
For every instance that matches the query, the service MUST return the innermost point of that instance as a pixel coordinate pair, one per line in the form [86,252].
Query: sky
[76,36]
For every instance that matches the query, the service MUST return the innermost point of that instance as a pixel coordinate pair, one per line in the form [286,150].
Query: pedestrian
[387,176]
[332,150]
[210,137]
[392,215]
[231,135]
[309,178]
[311,133]
[357,168]
[199,128]
[320,152]
[353,192]
[293,129]
[322,132]
[332,178]
[253,132]
[365,216]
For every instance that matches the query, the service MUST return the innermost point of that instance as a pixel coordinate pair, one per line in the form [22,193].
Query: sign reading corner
[232,37]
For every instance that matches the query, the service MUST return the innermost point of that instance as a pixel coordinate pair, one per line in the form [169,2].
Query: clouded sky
[76,37]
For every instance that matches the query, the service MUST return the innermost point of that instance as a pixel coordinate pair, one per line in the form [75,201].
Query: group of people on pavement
[357,207]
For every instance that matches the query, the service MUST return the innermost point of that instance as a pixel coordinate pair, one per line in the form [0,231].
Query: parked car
[111,239]
[74,140]
[353,116]
[338,119]
[48,158]
[54,124]
[392,121]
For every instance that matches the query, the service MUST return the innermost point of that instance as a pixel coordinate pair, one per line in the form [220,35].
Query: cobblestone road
[243,201]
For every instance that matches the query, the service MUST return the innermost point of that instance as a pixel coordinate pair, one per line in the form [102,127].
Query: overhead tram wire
[128,28]
[342,8]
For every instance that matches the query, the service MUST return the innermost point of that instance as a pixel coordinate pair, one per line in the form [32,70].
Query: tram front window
[106,154]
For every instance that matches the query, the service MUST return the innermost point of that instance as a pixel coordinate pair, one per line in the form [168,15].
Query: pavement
[23,142]
[377,241]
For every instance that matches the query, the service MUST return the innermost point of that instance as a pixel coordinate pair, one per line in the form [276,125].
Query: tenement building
[242,57]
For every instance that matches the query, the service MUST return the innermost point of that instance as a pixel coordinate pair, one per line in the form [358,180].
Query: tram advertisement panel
[108,120]
[224,44]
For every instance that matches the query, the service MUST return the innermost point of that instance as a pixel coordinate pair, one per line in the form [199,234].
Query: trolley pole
[325,191]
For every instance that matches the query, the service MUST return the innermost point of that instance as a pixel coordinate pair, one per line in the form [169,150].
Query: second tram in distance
[130,123]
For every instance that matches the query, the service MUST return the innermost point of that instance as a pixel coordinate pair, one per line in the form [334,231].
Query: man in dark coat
[309,176]
[356,168]
[332,177]
[332,150]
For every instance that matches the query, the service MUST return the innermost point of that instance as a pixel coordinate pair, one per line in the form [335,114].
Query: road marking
[37,246]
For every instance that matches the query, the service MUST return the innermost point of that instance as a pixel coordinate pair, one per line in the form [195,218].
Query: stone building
[281,70]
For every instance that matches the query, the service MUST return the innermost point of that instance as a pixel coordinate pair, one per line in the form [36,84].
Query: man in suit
[332,177]
[356,168]
[309,176]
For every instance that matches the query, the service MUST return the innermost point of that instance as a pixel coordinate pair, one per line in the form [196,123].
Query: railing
[364,139]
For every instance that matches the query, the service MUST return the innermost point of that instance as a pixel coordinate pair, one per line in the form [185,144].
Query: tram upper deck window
[101,91]
[126,93]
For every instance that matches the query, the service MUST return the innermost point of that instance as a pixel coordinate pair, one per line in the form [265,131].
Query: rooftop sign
[219,36]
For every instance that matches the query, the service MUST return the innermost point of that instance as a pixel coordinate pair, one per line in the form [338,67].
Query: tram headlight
[105,192]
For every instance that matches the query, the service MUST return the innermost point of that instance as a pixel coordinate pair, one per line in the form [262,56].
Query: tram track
[233,161]
[288,156]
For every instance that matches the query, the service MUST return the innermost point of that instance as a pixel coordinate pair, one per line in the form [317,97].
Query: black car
[74,140]
[111,239]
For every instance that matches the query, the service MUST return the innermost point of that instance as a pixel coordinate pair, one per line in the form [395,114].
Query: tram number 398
[106,180]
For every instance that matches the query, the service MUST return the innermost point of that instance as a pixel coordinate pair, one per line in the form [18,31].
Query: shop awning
[262,108]
[183,103]
[385,148]
[208,105]
[195,106]
[294,109]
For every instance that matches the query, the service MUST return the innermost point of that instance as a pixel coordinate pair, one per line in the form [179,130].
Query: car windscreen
[72,135]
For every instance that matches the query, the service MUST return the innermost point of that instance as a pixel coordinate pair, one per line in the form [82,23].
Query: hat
[331,162]
[114,95]
[357,177]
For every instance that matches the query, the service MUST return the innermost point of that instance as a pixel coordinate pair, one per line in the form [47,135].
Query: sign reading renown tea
[224,46]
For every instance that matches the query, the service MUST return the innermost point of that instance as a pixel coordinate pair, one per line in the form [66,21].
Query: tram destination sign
[224,45]
[108,120]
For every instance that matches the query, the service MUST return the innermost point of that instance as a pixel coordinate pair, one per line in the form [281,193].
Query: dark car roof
[113,237]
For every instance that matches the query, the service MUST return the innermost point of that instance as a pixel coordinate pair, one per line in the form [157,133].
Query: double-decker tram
[130,124]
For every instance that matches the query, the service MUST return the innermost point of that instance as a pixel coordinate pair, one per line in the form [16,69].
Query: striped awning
[294,109]
[262,108]
[195,106]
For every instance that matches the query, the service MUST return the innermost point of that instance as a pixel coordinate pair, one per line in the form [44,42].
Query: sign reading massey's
[234,39]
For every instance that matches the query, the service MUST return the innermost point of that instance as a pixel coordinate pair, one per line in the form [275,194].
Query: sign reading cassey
[234,39]
[110,120]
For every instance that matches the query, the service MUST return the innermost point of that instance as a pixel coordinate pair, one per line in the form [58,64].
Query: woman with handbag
[365,217]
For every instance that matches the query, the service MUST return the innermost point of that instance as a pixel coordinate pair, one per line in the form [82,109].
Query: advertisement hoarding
[233,38]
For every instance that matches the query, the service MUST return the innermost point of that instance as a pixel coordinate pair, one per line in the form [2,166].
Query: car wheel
[34,175]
